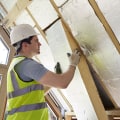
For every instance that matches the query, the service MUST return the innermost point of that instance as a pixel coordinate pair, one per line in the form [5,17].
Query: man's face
[35,46]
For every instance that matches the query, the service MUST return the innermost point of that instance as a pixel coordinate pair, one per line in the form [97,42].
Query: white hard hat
[21,32]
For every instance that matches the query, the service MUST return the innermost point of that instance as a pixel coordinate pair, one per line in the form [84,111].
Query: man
[26,77]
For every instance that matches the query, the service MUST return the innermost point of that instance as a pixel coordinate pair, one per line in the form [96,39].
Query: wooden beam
[53,106]
[110,117]
[3,71]
[15,12]
[115,112]
[2,68]
[85,73]
[105,24]
[65,99]
[69,115]
[99,80]
[37,25]
[116,118]
[89,82]
[3,91]
[3,7]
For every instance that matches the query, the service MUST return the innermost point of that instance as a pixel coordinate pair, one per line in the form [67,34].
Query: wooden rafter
[105,24]
[84,70]
[115,112]
[88,80]
[36,24]
[15,12]
[3,71]
[3,7]
[53,106]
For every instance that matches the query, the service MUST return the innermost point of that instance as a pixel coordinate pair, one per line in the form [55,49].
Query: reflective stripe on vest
[18,92]
[25,99]
[24,91]
[14,81]
[28,108]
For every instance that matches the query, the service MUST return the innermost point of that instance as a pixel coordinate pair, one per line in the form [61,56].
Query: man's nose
[40,44]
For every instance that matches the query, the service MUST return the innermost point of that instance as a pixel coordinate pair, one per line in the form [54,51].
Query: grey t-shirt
[29,69]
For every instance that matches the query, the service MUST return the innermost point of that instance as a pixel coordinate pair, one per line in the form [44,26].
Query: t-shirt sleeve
[30,69]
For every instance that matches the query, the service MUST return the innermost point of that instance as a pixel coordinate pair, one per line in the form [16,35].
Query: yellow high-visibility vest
[25,99]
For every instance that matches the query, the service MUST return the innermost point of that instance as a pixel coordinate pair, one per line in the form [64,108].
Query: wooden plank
[65,99]
[3,91]
[3,7]
[110,117]
[69,115]
[102,90]
[3,71]
[113,112]
[37,25]
[3,68]
[53,106]
[87,79]
[105,24]
[116,118]
[85,73]
[15,12]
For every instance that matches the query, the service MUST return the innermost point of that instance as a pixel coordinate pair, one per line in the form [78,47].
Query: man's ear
[24,44]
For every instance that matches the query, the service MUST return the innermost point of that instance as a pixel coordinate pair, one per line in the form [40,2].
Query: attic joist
[105,24]
[15,12]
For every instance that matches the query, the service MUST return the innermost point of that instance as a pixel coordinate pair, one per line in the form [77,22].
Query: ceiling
[96,28]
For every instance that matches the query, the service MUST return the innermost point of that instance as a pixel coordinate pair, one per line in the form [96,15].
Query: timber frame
[83,65]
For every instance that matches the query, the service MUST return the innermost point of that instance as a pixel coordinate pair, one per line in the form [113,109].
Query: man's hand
[74,58]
